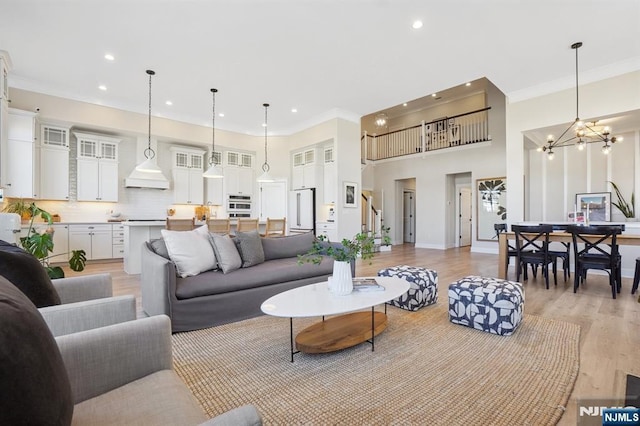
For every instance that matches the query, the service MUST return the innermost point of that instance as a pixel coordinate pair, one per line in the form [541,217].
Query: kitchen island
[136,233]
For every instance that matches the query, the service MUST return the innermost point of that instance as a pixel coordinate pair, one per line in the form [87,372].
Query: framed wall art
[350,194]
[596,206]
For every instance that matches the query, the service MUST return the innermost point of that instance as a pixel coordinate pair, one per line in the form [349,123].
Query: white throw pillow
[191,251]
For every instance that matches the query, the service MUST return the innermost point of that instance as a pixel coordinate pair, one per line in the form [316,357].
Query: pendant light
[149,165]
[214,171]
[265,176]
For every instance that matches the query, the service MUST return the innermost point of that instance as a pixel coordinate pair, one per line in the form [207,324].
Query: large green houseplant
[41,245]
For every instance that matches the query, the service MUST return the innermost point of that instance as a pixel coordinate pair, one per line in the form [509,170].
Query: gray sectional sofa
[212,297]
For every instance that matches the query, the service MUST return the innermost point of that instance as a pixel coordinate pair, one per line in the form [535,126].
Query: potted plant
[361,245]
[386,239]
[41,244]
[627,209]
[21,207]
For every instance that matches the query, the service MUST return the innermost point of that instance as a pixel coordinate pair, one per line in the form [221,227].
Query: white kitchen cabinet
[239,159]
[329,180]
[95,239]
[188,183]
[215,191]
[328,229]
[54,163]
[61,249]
[306,171]
[273,200]
[21,163]
[97,175]
[238,181]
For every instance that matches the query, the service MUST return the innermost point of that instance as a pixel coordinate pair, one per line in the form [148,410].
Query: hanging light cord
[577,46]
[265,166]
[149,153]
[213,126]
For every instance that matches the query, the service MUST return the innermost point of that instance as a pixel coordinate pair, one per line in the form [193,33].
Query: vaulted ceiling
[325,58]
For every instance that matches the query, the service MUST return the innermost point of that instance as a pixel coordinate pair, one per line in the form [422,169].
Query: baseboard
[430,246]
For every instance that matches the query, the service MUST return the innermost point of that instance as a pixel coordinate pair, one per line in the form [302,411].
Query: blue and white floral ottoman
[488,304]
[423,286]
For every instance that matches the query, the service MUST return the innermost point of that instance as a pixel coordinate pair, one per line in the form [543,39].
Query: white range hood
[140,179]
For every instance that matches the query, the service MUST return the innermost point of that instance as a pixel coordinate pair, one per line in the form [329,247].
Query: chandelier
[381,119]
[580,133]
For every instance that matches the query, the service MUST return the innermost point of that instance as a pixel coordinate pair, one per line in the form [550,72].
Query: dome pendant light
[149,165]
[265,176]
[214,170]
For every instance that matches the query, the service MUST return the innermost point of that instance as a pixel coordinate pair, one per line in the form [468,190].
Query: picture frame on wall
[350,194]
[491,206]
[595,206]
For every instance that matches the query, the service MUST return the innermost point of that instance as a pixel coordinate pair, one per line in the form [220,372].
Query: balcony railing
[459,130]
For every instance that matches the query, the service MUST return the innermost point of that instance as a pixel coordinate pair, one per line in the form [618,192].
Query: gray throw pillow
[159,247]
[226,252]
[251,250]
[291,246]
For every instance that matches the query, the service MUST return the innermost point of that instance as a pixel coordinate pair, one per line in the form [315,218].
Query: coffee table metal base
[340,332]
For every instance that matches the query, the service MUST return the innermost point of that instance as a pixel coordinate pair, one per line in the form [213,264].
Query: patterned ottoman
[488,304]
[423,286]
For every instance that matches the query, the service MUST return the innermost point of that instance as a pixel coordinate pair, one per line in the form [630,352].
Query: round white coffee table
[338,332]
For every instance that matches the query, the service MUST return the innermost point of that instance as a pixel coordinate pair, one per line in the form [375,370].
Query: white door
[409,217]
[464,213]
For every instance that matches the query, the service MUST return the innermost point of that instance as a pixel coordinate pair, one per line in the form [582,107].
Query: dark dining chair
[532,243]
[565,254]
[599,250]
[511,250]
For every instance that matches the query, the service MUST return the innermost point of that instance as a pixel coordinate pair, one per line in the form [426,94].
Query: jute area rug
[424,371]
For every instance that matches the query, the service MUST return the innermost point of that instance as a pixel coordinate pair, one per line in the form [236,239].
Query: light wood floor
[610,329]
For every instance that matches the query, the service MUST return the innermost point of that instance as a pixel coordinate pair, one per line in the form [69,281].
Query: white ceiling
[326,58]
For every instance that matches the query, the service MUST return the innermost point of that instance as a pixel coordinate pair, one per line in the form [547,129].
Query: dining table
[623,239]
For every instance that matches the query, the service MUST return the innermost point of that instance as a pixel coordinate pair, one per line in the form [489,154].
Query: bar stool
[636,277]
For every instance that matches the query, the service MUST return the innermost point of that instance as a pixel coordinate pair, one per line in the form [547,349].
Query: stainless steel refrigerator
[302,211]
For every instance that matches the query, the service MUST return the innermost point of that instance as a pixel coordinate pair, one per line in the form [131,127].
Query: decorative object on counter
[171,212]
[202,213]
[627,209]
[579,132]
[214,170]
[596,205]
[41,244]
[342,281]
[56,218]
[19,206]
[265,176]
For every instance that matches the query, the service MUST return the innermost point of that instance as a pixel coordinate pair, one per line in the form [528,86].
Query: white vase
[341,281]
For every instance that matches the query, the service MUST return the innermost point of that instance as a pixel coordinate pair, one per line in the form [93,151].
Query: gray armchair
[133,382]
[87,303]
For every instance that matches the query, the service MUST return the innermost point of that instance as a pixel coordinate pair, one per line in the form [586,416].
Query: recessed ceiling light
[468,84]
[416,25]
[264,124]
[404,104]
[169,103]
[294,109]
[102,87]
[221,114]
[433,95]
[109,57]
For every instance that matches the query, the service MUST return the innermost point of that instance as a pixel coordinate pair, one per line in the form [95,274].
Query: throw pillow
[251,250]
[26,272]
[35,388]
[190,250]
[291,246]
[160,248]
[226,252]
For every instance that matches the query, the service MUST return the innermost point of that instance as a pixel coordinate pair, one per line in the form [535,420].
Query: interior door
[464,209]
[409,217]
[273,200]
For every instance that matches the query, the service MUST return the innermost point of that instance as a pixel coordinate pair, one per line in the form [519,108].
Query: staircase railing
[458,130]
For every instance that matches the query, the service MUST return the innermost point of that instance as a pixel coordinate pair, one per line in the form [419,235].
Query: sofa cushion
[250,248]
[226,253]
[267,273]
[289,246]
[26,272]
[35,387]
[191,251]
[160,248]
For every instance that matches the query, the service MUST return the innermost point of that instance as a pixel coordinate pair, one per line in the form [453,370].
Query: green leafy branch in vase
[41,244]
[361,245]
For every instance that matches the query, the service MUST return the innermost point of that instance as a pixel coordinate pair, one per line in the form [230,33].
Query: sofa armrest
[85,287]
[157,282]
[80,316]
[106,358]
[247,415]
